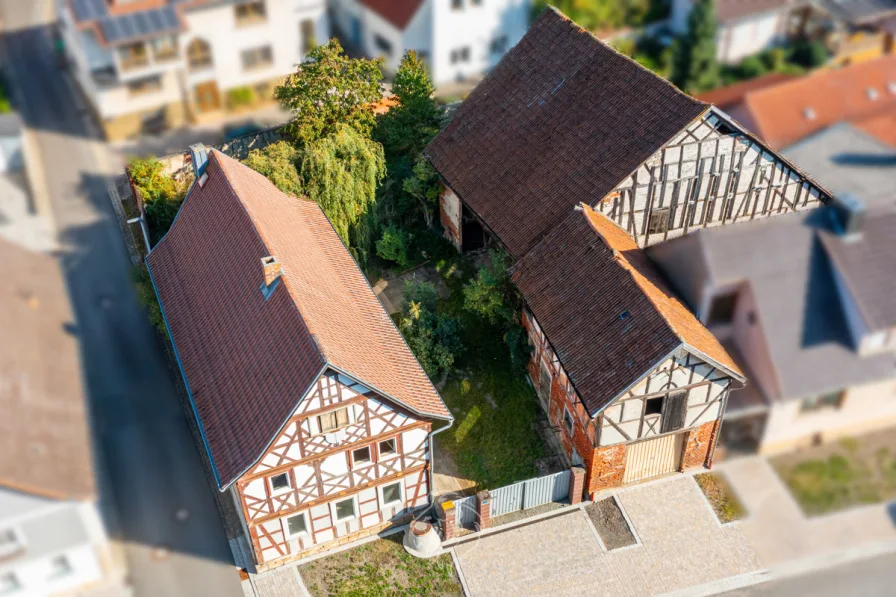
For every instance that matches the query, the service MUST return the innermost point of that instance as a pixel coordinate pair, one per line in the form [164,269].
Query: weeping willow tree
[340,172]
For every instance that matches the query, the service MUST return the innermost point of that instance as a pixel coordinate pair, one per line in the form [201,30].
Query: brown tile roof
[397,12]
[563,118]
[734,10]
[608,313]
[723,97]
[45,436]
[867,266]
[249,361]
[785,113]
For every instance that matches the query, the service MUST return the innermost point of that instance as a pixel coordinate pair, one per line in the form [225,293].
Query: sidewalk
[779,531]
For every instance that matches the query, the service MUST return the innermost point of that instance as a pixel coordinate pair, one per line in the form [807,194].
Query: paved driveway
[682,545]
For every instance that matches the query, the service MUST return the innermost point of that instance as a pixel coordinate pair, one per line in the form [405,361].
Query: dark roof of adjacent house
[609,315]
[734,10]
[248,361]
[45,435]
[397,12]
[848,160]
[562,119]
[859,11]
[798,309]
[866,262]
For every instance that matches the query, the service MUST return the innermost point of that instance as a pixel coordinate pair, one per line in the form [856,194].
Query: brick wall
[698,445]
[607,468]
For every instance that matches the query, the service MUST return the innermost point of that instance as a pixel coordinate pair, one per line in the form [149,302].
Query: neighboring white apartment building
[745,28]
[52,541]
[155,64]
[456,38]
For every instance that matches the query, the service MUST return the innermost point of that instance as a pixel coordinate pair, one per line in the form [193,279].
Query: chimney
[199,159]
[848,214]
[271,268]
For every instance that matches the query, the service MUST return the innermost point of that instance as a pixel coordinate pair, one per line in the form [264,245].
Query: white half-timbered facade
[346,460]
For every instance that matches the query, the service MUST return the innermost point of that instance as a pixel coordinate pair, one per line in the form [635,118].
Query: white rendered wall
[750,36]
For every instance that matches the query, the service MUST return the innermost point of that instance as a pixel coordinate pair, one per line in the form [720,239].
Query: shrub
[809,54]
[393,246]
[487,295]
[147,296]
[241,96]
[752,66]
[161,194]
[432,336]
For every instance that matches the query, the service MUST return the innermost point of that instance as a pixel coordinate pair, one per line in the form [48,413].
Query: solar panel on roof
[89,10]
[139,25]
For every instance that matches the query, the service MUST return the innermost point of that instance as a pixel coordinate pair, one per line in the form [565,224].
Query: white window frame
[307,531]
[392,454]
[59,574]
[354,499]
[288,487]
[362,462]
[16,580]
[18,541]
[571,432]
[400,500]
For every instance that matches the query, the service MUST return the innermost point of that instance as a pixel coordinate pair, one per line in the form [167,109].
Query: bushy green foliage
[809,54]
[340,173]
[240,96]
[432,336]
[424,186]
[161,195]
[329,91]
[278,162]
[147,297]
[695,67]
[393,246]
[752,66]
[597,15]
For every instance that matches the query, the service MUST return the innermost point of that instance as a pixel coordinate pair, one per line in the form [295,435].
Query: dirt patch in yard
[381,568]
[721,497]
[610,524]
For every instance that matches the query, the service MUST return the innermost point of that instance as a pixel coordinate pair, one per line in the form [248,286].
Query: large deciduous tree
[329,90]
[278,163]
[696,67]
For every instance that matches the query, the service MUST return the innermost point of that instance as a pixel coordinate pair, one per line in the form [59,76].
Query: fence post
[484,503]
[576,484]
[450,519]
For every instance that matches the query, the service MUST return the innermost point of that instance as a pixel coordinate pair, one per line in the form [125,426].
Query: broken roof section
[249,358]
[562,119]
[610,316]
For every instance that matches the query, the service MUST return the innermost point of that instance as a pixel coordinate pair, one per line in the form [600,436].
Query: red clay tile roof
[249,361]
[563,118]
[45,436]
[880,125]
[723,97]
[397,12]
[785,113]
[608,313]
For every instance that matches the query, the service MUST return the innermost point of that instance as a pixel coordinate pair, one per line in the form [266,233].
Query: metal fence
[519,496]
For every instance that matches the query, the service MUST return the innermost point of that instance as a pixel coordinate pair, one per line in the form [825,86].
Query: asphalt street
[158,504]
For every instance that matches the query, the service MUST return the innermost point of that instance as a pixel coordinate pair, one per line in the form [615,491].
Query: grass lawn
[721,497]
[381,568]
[847,473]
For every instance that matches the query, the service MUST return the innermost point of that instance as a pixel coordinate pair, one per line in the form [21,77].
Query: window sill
[257,67]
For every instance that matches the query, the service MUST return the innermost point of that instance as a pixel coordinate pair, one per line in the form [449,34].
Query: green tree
[423,185]
[278,162]
[432,336]
[490,293]
[340,173]
[393,245]
[695,68]
[810,54]
[408,127]
[329,90]
[162,195]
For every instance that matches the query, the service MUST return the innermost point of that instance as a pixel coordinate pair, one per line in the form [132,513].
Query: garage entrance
[653,457]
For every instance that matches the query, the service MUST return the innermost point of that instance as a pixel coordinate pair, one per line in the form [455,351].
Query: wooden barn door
[653,457]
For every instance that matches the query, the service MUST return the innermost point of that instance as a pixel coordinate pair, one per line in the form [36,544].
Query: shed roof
[609,314]
[562,119]
[247,360]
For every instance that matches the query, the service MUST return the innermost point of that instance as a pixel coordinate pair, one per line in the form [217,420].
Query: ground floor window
[344,509]
[297,524]
[390,494]
[387,447]
[567,421]
[830,401]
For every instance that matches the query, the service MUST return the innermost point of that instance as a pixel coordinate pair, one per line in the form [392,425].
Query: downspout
[432,457]
[715,443]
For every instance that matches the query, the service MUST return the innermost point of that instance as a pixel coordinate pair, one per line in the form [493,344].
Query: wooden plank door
[207,97]
[653,457]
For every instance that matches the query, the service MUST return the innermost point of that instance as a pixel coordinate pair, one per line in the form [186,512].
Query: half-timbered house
[632,381]
[314,413]
[565,119]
